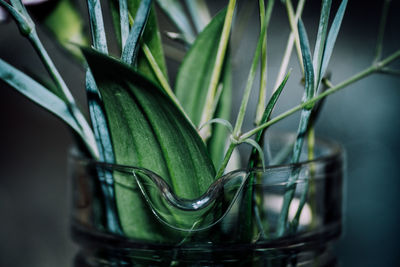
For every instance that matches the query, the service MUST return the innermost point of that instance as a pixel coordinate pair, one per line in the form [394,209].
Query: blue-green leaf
[332,35]
[151,37]
[97,26]
[131,48]
[175,11]
[199,12]
[320,42]
[148,131]
[43,97]
[307,62]
[124,21]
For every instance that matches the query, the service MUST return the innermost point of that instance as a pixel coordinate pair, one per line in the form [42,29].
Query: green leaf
[307,62]
[332,35]
[148,131]
[151,37]
[43,97]
[175,11]
[256,157]
[66,25]
[97,26]
[124,21]
[131,48]
[218,140]
[199,11]
[320,42]
[253,161]
[196,69]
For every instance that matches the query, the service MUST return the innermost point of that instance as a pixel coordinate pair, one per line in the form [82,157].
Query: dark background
[34,186]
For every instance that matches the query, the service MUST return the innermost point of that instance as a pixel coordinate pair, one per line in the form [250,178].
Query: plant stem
[249,84]
[293,25]
[222,46]
[288,50]
[227,156]
[61,85]
[366,72]
[264,19]
[381,33]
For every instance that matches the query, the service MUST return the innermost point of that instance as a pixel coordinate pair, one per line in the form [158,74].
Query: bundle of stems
[184,133]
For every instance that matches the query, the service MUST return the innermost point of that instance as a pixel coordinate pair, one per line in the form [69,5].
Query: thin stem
[264,19]
[381,33]
[366,72]
[389,71]
[249,84]
[289,48]
[293,25]
[222,46]
[227,156]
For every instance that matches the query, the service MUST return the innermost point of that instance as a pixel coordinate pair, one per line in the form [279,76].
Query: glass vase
[281,215]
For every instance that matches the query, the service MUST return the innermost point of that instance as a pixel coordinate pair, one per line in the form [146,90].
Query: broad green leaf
[195,71]
[148,131]
[43,97]
[175,11]
[66,25]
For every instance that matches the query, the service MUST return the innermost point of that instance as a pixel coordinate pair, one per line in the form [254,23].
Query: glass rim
[335,153]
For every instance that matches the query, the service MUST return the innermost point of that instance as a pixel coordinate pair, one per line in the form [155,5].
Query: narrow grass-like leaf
[265,117]
[43,97]
[196,69]
[218,67]
[217,143]
[264,19]
[200,15]
[97,26]
[249,83]
[18,12]
[332,35]
[320,42]
[124,21]
[175,11]
[307,62]
[302,129]
[148,131]
[151,38]
[106,153]
[248,206]
[130,50]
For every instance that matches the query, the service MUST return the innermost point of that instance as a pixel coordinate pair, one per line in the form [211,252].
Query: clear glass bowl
[238,220]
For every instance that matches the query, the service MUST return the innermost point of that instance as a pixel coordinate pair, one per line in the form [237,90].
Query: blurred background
[34,185]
